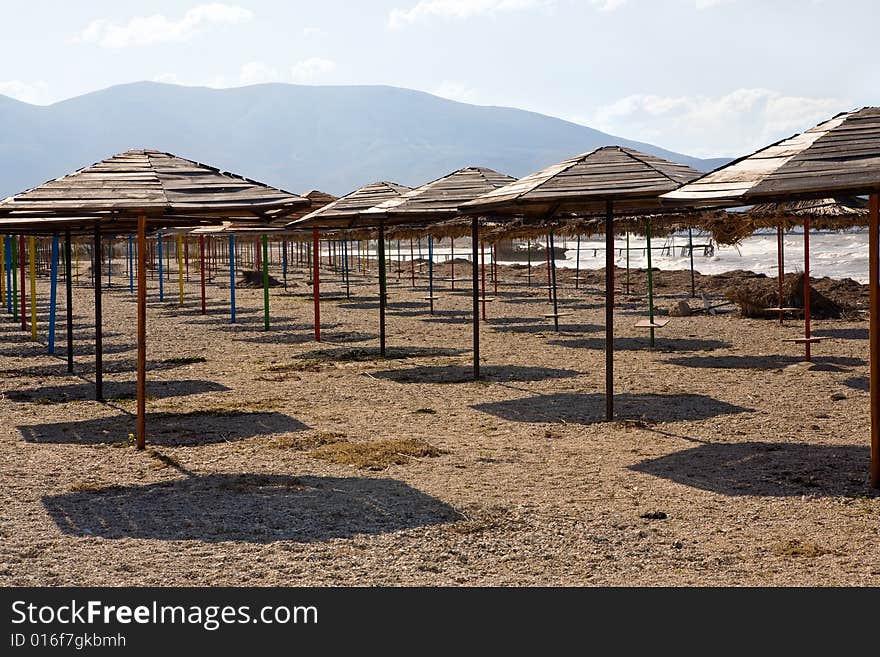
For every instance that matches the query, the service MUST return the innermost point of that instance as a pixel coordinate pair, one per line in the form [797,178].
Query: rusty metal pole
[874,282]
[202,271]
[807,355]
[609,310]
[142,332]
[383,285]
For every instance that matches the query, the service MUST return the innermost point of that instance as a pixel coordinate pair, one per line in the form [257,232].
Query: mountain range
[332,138]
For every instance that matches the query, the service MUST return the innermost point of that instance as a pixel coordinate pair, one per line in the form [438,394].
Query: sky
[709,78]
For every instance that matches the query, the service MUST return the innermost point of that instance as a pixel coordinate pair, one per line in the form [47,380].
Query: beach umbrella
[609,180]
[131,192]
[345,213]
[838,156]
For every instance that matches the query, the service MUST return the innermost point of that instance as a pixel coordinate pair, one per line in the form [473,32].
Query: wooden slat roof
[584,182]
[840,155]
[440,199]
[345,211]
[152,183]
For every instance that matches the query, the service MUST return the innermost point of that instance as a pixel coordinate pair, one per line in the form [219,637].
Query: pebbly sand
[732,463]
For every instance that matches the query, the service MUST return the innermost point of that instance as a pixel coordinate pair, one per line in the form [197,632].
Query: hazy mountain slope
[295,137]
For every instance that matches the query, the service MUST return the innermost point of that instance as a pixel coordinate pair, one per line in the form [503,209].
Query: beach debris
[759,298]
[680,309]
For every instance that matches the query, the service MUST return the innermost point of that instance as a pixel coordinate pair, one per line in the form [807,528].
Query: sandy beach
[274,460]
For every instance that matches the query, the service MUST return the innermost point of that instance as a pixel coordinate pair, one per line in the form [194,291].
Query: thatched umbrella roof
[840,155]
[439,199]
[346,211]
[165,188]
[584,183]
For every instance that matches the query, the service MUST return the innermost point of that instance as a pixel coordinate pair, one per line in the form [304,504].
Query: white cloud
[310,31]
[708,4]
[733,124]
[257,73]
[426,10]
[35,93]
[454,91]
[311,68]
[145,30]
[607,5]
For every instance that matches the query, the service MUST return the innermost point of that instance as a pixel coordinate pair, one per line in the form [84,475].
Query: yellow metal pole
[32,254]
[180,265]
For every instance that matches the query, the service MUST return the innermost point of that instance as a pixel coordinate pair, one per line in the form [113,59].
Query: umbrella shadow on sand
[253,508]
[169,429]
[575,408]
[766,469]
[113,391]
[465,374]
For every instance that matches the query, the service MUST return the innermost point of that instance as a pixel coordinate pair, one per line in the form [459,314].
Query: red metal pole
[142,333]
[807,289]
[874,282]
[316,284]
[202,269]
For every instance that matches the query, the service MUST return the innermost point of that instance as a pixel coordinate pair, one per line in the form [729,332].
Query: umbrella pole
[202,271]
[577,264]
[691,250]
[99,338]
[475,238]
[265,282]
[549,281]
[650,280]
[553,281]
[483,276]
[21,266]
[180,267]
[13,262]
[874,281]
[32,271]
[232,279]
[2,269]
[452,259]
[412,263]
[345,273]
[529,262]
[627,263]
[53,293]
[316,282]
[130,264]
[495,266]
[284,261]
[159,258]
[807,355]
[609,310]
[380,246]
[68,284]
[7,269]
[780,266]
[431,274]
[142,332]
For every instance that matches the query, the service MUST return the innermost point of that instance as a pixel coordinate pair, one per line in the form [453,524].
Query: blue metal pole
[161,278]
[53,294]
[131,264]
[232,278]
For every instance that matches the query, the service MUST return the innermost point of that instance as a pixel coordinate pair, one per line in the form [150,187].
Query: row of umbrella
[141,189]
